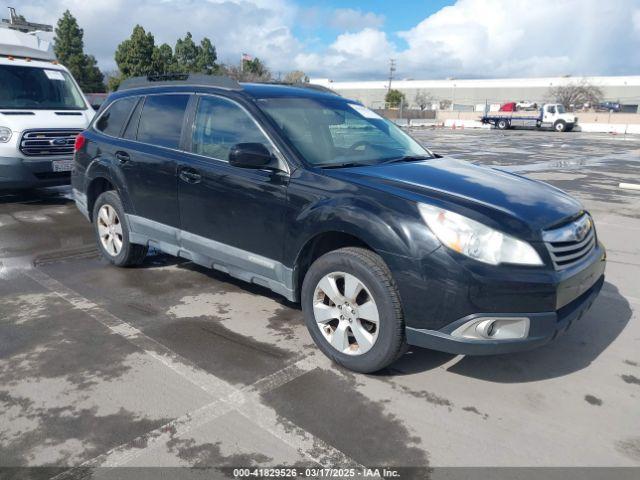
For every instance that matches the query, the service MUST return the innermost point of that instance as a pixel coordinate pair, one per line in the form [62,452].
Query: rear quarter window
[112,121]
[161,120]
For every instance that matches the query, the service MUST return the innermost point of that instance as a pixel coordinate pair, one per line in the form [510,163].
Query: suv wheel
[112,232]
[352,309]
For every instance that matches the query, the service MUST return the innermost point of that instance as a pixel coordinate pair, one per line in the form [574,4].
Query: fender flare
[99,168]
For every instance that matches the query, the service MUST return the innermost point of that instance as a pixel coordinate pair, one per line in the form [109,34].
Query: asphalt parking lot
[173,365]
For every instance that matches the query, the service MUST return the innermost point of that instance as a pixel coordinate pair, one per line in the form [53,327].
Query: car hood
[25,119]
[494,194]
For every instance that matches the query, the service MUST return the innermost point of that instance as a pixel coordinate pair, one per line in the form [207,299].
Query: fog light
[494,328]
[486,328]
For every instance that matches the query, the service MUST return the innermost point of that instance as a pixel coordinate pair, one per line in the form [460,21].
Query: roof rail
[190,79]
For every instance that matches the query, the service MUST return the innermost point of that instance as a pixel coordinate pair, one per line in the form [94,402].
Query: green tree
[93,81]
[69,50]
[135,56]
[186,54]
[164,60]
[394,98]
[207,56]
[139,56]
[193,58]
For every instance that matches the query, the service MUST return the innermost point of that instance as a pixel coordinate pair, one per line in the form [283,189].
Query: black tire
[130,254]
[502,124]
[373,272]
[560,126]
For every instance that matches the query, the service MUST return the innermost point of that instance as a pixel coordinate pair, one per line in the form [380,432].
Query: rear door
[148,161]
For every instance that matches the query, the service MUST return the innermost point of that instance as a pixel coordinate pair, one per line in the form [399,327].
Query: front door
[231,216]
[549,113]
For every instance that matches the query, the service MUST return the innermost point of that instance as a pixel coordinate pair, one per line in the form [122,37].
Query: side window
[161,120]
[552,110]
[113,119]
[131,130]
[219,125]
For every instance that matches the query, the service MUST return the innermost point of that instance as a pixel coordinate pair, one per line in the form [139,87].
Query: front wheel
[352,309]
[112,232]
[560,126]
[502,125]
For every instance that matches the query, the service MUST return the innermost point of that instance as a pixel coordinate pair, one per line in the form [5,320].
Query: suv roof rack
[180,79]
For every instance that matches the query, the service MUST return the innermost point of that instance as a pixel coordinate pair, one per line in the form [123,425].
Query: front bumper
[18,173]
[544,327]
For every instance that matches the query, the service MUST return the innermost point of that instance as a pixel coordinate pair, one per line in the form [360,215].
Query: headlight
[5,134]
[476,240]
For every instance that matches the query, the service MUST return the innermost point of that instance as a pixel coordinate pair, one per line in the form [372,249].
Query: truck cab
[42,110]
[555,116]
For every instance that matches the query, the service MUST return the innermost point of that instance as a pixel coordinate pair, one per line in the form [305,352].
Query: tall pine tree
[69,49]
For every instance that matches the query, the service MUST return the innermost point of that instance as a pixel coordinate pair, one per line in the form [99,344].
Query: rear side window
[113,119]
[161,120]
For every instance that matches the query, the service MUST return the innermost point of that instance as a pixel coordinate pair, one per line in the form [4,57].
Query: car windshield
[38,89]
[560,109]
[334,132]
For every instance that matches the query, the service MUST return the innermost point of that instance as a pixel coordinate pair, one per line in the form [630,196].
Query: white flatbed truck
[551,116]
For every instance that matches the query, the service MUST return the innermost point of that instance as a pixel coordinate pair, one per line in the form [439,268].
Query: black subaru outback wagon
[321,200]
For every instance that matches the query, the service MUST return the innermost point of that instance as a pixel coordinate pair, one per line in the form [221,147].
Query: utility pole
[392,68]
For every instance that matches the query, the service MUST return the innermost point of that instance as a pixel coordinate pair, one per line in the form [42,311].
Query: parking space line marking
[245,401]
[170,359]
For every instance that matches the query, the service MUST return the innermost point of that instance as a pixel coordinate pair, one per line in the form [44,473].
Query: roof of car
[270,90]
[201,82]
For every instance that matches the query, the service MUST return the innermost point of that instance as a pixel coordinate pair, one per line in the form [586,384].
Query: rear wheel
[502,124]
[352,309]
[560,126]
[112,232]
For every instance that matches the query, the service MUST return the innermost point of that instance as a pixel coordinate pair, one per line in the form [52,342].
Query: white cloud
[260,27]
[517,38]
[495,38]
[470,38]
[352,20]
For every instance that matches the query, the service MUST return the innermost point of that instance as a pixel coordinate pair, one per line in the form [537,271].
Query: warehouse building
[470,94]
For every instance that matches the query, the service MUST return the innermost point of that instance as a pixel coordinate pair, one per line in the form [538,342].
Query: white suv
[42,110]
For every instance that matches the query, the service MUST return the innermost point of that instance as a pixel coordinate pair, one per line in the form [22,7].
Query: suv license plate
[62,165]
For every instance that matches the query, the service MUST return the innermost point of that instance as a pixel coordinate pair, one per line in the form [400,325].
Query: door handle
[123,157]
[189,175]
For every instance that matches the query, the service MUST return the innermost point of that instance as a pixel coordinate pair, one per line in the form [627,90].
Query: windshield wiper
[343,165]
[407,158]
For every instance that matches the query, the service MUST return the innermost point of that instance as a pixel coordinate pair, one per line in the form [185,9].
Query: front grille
[48,143]
[570,243]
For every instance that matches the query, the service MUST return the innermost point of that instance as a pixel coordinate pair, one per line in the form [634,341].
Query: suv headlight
[5,134]
[476,240]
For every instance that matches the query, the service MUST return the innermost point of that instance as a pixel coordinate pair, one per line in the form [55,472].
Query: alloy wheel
[346,313]
[110,230]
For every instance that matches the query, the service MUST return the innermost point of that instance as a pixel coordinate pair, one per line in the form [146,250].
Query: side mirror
[251,155]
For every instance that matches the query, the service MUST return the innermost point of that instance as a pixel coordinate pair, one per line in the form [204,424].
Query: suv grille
[571,243]
[48,143]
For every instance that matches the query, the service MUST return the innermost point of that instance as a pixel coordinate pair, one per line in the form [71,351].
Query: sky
[354,40]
